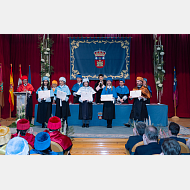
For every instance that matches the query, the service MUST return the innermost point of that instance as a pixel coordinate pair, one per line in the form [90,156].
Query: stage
[157,112]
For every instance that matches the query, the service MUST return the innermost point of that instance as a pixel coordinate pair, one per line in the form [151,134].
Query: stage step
[98,146]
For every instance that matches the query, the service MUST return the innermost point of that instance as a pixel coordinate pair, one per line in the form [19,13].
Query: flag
[20,76]
[29,76]
[11,95]
[1,87]
[175,91]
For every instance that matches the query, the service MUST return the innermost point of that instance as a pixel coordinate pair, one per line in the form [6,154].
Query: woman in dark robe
[85,106]
[109,106]
[44,105]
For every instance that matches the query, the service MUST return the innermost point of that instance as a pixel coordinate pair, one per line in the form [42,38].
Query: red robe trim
[28,87]
[28,137]
[63,140]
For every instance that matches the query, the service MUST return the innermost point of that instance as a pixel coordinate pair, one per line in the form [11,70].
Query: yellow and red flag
[11,89]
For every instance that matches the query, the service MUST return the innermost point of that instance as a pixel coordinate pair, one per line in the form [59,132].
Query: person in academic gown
[85,106]
[54,85]
[139,110]
[42,145]
[44,105]
[99,87]
[122,92]
[149,88]
[62,106]
[27,87]
[75,88]
[54,125]
[23,127]
[109,106]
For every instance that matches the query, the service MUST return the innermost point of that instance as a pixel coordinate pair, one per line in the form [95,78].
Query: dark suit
[176,138]
[132,141]
[151,148]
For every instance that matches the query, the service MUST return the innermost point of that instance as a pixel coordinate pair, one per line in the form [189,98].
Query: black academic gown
[85,110]
[29,108]
[98,93]
[139,110]
[62,111]
[121,96]
[44,111]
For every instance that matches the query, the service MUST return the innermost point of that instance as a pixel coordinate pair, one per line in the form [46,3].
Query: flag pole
[175,117]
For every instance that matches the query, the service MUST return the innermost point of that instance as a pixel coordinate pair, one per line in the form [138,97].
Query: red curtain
[23,49]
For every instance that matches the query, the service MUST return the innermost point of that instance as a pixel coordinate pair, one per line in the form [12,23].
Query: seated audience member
[23,127]
[17,146]
[42,145]
[150,139]
[54,124]
[173,131]
[170,147]
[138,136]
[5,136]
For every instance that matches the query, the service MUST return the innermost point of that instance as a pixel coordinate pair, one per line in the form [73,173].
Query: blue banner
[93,56]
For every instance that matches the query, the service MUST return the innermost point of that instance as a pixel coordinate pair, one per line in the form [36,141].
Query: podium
[21,102]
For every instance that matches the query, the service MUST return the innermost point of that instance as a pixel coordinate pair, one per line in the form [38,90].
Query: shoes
[127,124]
[87,125]
[83,125]
[109,126]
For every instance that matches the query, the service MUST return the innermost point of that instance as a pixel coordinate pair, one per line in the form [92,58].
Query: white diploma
[135,93]
[108,97]
[86,96]
[44,94]
[61,95]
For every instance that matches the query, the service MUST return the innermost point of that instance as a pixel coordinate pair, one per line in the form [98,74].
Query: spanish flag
[11,95]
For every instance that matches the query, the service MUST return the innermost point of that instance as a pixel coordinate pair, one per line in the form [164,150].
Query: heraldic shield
[99,58]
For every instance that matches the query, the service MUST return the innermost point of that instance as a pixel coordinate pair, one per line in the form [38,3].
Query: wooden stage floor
[99,146]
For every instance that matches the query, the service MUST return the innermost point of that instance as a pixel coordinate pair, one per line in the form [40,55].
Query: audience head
[5,135]
[22,126]
[54,123]
[140,126]
[42,141]
[170,147]
[173,129]
[151,135]
[17,146]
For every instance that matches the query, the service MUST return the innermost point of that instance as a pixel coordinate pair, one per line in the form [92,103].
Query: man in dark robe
[26,87]
[75,88]
[139,110]
[99,87]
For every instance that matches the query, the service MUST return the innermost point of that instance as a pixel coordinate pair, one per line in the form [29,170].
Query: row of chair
[184,148]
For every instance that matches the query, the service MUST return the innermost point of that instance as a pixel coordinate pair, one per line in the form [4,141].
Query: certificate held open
[108,97]
[86,96]
[61,95]
[44,94]
[135,93]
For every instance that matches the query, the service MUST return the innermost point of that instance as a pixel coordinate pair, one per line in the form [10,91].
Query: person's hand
[140,96]
[41,98]
[134,131]
[121,100]
[161,134]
